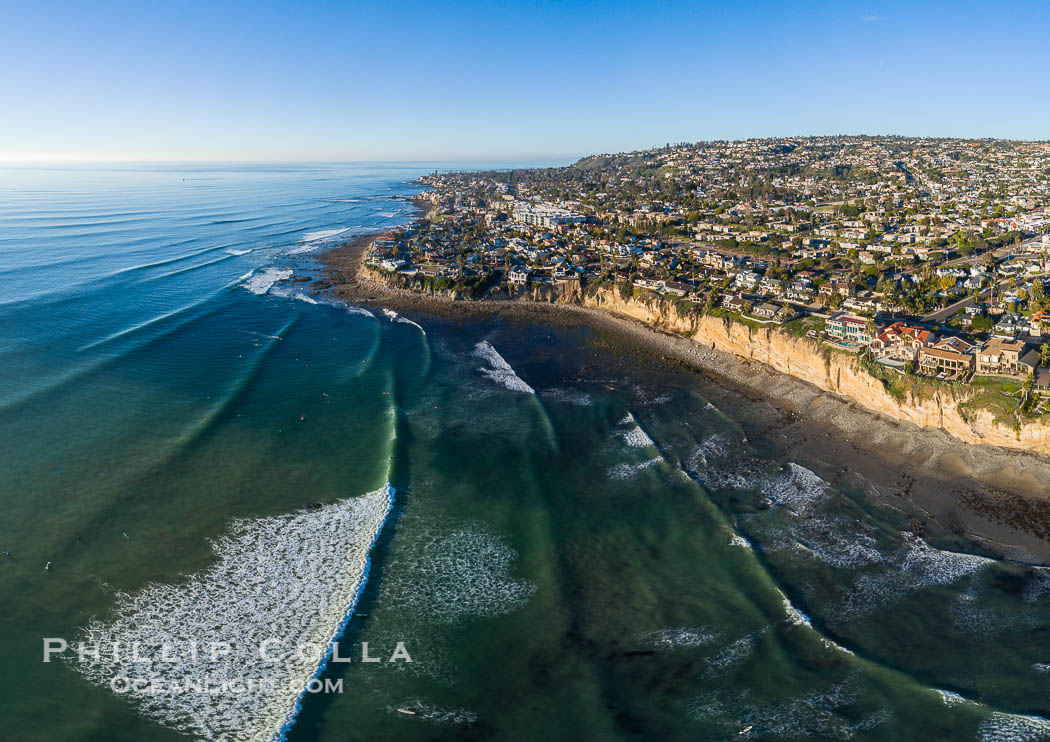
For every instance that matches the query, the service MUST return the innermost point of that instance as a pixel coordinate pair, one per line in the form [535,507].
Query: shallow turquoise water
[578,548]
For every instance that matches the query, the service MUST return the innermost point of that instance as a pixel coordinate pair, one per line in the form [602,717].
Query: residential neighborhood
[928,257]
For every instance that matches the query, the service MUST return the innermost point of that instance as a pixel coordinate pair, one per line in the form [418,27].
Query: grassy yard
[734,317]
[1000,396]
[799,327]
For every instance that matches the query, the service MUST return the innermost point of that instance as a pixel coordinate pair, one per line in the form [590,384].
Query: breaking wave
[713,464]
[260,283]
[395,317]
[950,699]
[1000,727]
[798,489]
[794,615]
[915,565]
[500,371]
[323,234]
[291,579]
[737,540]
[312,241]
[634,435]
[291,293]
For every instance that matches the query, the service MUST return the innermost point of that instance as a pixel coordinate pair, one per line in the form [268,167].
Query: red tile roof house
[901,342]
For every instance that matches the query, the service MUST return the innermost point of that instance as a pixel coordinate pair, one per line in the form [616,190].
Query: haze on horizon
[537,81]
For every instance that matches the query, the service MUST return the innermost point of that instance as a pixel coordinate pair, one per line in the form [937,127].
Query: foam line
[395,317]
[633,435]
[293,578]
[260,283]
[500,371]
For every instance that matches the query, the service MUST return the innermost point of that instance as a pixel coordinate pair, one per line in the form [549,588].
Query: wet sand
[992,497]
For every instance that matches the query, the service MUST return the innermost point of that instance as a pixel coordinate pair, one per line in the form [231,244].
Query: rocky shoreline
[992,495]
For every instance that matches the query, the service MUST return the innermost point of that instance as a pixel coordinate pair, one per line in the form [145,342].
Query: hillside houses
[823,230]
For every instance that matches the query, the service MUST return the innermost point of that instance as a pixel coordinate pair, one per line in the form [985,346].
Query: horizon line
[9,158]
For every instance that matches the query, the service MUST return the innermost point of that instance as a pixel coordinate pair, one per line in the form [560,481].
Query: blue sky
[529,80]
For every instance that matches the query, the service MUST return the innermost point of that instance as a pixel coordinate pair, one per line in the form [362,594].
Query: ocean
[569,539]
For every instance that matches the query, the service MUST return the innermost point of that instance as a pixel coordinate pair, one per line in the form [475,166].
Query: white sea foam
[714,447]
[677,638]
[451,575]
[1038,584]
[949,698]
[737,540]
[263,281]
[289,293]
[573,397]
[239,252]
[395,317]
[500,371]
[303,249]
[293,579]
[794,615]
[351,309]
[914,566]
[841,542]
[634,435]
[809,716]
[732,654]
[323,234]
[796,489]
[407,321]
[626,471]
[710,462]
[1000,727]
[312,241]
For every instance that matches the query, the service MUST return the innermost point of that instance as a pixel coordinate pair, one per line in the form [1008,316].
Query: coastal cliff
[840,373]
[925,403]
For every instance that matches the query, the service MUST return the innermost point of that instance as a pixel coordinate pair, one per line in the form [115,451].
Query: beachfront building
[652,284]
[948,358]
[518,276]
[392,264]
[848,330]
[775,312]
[901,342]
[736,303]
[1003,357]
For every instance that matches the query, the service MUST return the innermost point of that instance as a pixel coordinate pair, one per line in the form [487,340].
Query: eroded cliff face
[838,373]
